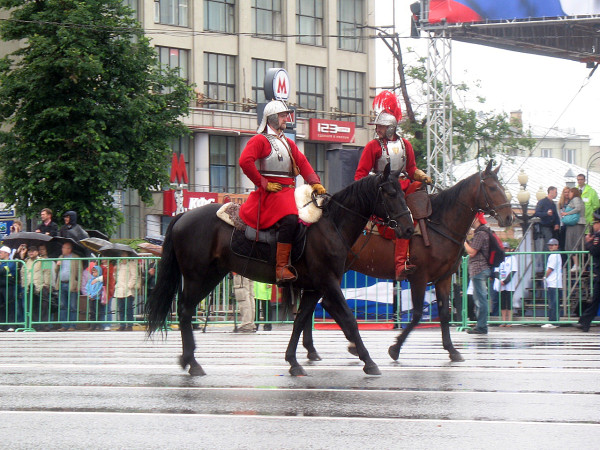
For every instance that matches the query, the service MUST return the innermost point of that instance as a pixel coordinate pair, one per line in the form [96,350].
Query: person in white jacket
[127,282]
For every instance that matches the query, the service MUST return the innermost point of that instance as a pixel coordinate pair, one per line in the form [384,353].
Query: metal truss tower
[439,108]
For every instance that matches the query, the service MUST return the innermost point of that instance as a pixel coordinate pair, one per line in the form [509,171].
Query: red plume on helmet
[387,102]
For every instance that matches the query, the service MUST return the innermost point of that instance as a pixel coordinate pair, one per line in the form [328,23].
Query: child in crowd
[553,282]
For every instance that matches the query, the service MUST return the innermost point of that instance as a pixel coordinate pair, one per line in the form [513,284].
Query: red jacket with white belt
[273,205]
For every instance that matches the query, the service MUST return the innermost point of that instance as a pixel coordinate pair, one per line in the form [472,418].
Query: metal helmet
[274,107]
[387,119]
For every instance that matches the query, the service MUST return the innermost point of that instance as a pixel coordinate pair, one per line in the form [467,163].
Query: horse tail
[168,282]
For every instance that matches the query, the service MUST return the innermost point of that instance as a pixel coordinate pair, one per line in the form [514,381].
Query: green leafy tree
[86,109]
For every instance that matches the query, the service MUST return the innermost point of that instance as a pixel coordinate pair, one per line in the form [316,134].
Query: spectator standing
[479,271]
[126,285]
[47,292]
[39,277]
[563,201]
[263,293]
[243,290]
[553,282]
[8,293]
[592,245]
[108,275]
[68,275]
[589,197]
[548,214]
[47,225]
[71,228]
[574,232]
[506,283]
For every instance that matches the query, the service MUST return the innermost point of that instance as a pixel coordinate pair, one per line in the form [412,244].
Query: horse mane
[355,196]
[447,198]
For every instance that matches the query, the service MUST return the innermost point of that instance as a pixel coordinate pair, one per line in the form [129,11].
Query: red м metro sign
[330,130]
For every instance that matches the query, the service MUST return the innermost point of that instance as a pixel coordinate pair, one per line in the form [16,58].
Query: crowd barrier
[33,298]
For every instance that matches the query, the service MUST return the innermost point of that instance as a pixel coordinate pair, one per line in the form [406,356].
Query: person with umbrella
[38,276]
[8,297]
[127,283]
[68,274]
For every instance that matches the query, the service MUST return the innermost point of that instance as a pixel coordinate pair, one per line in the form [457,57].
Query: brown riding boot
[403,268]
[282,262]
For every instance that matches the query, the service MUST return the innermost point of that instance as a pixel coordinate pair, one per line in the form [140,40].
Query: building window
[219,80]
[259,70]
[174,58]
[316,155]
[130,228]
[309,22]
[350,21]
[351,96]
[569,155]
[169,12]
[219,15]
[311,91]
[546,153]
[223,162]
[133,4]
[266,18]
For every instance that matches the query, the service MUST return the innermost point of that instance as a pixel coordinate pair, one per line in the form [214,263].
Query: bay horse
[453,211]
[197,249]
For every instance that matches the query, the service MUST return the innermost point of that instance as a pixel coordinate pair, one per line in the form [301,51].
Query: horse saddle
[263,247]
[420,207]
[260,245]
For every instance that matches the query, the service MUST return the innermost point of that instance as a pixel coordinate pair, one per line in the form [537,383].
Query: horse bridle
[489,207]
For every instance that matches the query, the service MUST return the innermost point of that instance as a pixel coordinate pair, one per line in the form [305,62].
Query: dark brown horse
[197,249]
[453,213]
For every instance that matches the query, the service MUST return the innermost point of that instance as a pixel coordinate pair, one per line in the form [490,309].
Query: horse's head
[492,197]
[391,204]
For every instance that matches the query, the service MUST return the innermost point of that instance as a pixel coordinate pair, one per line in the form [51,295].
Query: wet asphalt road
[522,387]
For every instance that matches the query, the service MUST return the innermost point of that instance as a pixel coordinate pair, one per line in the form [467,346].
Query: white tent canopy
[542,173]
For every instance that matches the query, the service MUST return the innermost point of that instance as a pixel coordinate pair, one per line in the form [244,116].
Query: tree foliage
[86,109]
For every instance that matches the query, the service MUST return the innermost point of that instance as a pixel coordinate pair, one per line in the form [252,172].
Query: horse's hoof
[372,369]
[197,371]
[297,371]
[394,352]
[352,350]
[456,357]
[313,356]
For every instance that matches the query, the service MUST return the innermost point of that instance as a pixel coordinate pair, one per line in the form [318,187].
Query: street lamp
[523,199]
[570,178]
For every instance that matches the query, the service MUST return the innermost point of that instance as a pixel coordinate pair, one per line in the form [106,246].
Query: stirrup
[406,271]
[282,281]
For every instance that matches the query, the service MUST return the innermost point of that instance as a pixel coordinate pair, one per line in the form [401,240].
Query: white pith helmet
[273,107]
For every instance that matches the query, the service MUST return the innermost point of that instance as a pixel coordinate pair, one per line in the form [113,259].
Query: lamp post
[570,178]
[523,199]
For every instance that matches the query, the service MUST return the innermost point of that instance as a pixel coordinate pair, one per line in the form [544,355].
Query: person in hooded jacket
[71,228]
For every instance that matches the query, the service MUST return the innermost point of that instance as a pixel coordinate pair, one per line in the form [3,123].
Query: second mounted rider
[390,147]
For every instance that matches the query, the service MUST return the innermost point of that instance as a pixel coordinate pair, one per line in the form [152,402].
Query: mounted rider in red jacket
[272,162]
[389,147]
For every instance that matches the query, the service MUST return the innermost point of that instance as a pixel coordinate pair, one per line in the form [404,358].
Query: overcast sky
[547,90]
